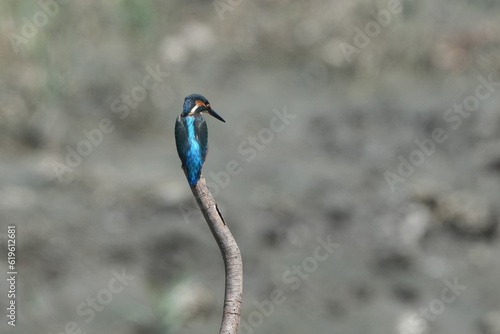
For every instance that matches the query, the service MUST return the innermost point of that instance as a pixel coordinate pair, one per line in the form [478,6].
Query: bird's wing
[202,133]
[181,139]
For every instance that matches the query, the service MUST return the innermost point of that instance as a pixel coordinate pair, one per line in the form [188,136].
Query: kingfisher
[191,135]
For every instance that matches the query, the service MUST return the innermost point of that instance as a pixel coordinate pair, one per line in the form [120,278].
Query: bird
[191,135]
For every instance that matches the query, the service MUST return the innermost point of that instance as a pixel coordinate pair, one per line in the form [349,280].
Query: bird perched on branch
[191,135]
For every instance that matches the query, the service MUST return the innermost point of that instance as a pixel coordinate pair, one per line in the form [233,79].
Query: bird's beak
[214,114]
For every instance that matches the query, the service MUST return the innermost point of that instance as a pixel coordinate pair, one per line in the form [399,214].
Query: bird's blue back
[192,144]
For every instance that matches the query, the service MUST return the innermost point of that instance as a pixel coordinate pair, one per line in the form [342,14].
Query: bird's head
[196,104]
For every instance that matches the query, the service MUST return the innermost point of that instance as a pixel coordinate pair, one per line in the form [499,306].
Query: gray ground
[364,207]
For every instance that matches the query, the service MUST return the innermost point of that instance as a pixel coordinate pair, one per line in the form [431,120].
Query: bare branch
[230,254]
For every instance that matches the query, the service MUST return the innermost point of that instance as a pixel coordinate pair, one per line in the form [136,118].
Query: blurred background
[359,168]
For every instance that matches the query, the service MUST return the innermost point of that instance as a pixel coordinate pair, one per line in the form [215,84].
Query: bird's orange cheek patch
[199,103]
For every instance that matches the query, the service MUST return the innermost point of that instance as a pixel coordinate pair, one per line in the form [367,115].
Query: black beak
[214,114]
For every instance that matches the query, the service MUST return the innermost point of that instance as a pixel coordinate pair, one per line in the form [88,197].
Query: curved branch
[230,254]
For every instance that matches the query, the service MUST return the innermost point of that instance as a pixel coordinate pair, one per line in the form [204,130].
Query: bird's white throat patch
[193,110]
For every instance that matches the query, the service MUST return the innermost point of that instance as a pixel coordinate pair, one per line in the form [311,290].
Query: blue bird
[191,135]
